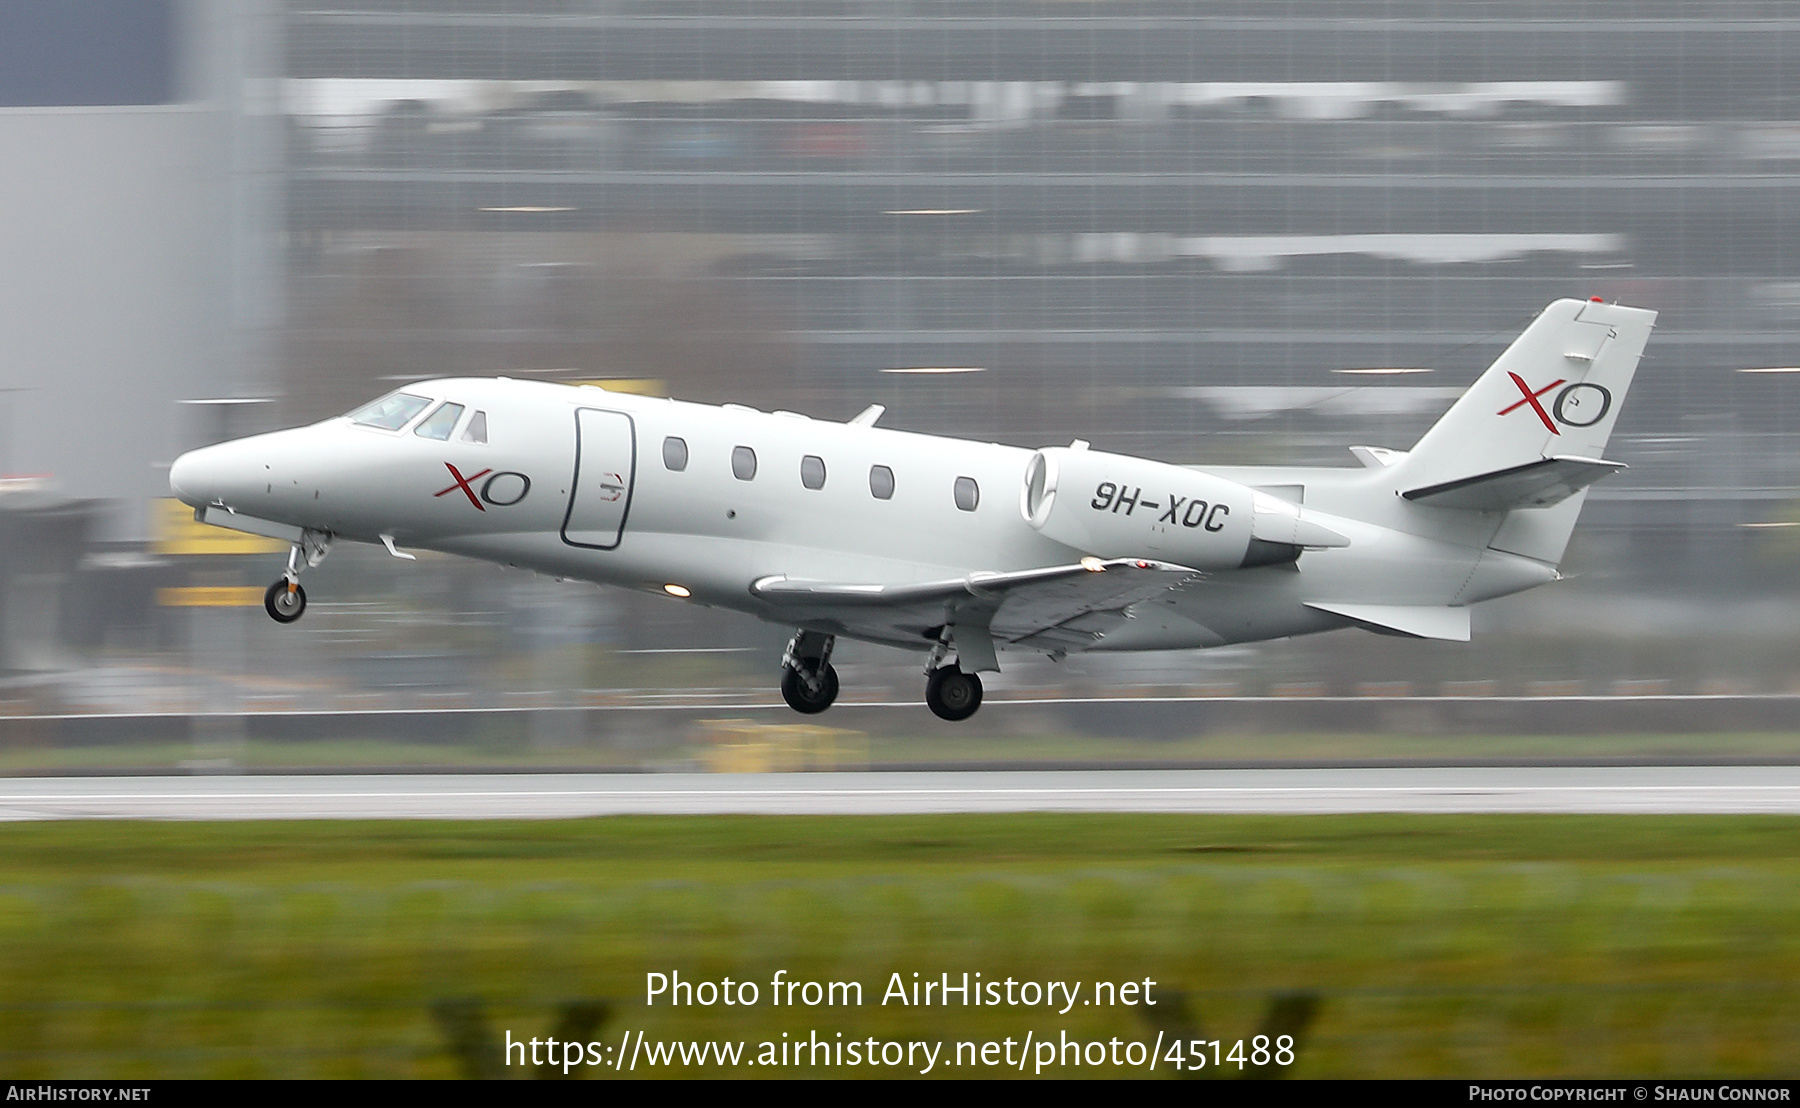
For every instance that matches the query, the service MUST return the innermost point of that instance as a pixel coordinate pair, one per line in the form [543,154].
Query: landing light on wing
[677,590]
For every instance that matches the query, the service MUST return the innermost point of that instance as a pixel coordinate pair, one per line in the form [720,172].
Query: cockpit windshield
[440,423]
[391,412]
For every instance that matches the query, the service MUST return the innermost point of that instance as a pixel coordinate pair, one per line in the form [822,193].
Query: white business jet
[960,549]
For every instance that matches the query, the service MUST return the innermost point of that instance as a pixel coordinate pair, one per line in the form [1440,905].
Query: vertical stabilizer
[1531,433]
[1555,392]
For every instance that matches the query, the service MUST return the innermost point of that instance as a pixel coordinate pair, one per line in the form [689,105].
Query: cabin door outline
[605,474]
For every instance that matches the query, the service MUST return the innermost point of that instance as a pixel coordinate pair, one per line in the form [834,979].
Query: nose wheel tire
[952,694]
[284,604]
[808,701]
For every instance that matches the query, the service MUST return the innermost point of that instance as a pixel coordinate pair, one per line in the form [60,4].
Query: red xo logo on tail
[1579,405]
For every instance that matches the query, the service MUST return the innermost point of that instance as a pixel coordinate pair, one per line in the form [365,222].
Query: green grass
[1436,946]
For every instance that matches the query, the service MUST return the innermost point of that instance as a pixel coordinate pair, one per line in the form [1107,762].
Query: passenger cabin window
[968,494]
[440,423]
[674,453]
[812,471]
[476,431]
[743,463]
[881,482]
[391,412]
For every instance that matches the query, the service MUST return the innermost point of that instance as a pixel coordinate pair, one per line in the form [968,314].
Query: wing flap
[1085,606]
[1538,484]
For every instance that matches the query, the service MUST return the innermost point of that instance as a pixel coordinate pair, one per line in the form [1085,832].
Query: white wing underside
[1054,608]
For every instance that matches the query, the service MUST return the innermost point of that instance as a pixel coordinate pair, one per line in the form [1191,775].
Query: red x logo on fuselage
[463,484]
[1531,398]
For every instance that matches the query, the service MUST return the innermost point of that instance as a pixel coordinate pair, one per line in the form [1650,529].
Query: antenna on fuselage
[868,416]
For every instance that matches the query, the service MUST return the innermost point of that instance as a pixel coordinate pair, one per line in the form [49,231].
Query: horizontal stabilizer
[1417,622]
[1536,484]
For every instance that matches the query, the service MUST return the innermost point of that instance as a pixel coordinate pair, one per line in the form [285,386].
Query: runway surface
[1639,789]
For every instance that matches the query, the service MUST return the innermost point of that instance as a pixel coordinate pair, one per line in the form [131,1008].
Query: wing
[1054,608]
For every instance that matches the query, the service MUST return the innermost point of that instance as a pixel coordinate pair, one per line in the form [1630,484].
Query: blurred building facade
[136,212]
[1167,227]
[1206,232]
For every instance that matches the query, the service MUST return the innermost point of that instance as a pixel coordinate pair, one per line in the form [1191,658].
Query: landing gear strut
[285,600]
[808,683]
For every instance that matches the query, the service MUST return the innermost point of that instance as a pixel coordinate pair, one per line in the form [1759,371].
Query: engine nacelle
[1117,506]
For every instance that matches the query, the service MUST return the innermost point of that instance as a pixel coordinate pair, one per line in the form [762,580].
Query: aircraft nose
[199,476]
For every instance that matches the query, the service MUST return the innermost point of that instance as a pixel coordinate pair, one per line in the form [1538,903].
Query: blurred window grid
[1190,222]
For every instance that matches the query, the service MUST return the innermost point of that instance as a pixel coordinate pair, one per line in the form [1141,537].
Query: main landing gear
[952,694]
[285,600]
[949,692]
[808,683]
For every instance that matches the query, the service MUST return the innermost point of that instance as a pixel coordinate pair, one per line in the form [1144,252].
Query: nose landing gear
[285,600]
[808,683]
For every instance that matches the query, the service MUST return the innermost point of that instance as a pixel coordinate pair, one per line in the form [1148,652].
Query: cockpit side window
[476,431]
[391,412]
[440,423]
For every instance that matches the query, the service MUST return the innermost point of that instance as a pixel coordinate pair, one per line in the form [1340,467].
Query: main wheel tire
[804,700]
[283,605]
[952,694]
